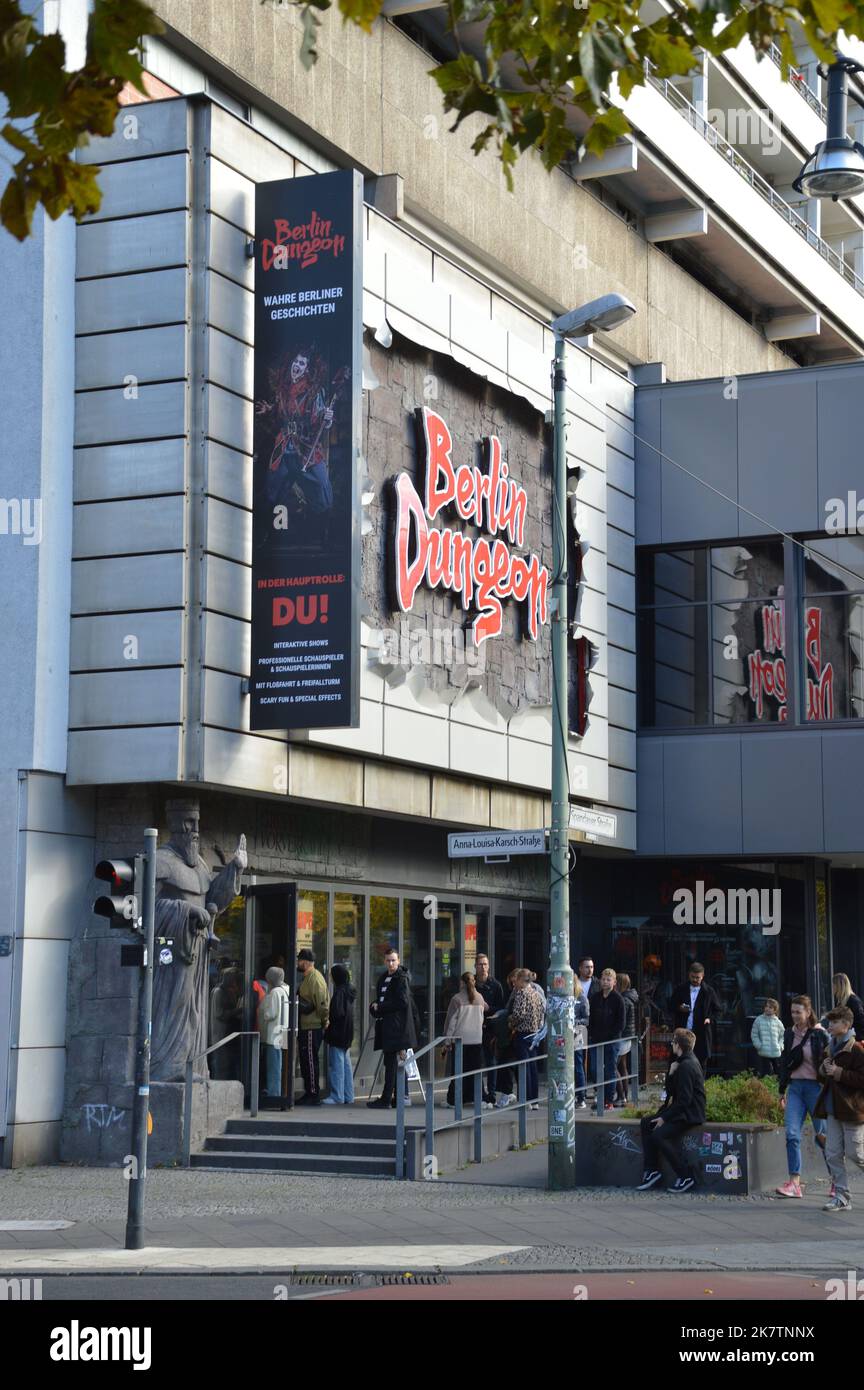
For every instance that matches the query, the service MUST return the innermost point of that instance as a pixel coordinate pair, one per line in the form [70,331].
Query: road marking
[35,1225]
[360,1257]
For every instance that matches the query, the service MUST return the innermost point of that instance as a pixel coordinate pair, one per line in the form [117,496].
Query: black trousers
[767,1066]
[490,1085]
[391,1061]
[472,1060]
[662,1142]
[309,1041]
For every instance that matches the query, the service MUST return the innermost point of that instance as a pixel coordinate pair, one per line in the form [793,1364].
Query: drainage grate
[324,1279]
[385,1279]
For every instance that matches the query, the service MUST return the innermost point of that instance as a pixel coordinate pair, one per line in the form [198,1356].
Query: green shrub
[744,1099]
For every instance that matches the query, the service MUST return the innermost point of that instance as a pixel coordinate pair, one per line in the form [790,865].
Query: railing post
[256,1076]
[400,1118]
[523,1114]
[187,1117]
[430,1118]
[457,1079]
[478,1117]
[634,1052]
[600,1080]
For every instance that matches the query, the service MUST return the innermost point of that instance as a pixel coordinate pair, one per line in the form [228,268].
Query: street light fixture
[836,167]
[600,315]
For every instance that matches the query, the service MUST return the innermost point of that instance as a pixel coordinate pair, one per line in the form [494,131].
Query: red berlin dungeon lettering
[768,673]
[302,241]
[481,572]
[820,690]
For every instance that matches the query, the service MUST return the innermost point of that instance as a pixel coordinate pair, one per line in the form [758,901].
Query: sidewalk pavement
[226,1221]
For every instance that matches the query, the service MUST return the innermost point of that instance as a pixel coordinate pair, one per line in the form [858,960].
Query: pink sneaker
[792,1188]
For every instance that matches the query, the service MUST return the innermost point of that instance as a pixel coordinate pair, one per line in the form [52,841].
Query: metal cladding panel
[128,584]
[231,307]
[133,527]
[696,822]
[781,805]
[227,708]
[135,243]
[126,641]
[227,644]
[230,363]
[840,405]
[227,589]
[101,757]
[229,475]
[649,796]
[241,147]
[648,469]
[110,416]
[700,432]
[231,196]
[144,469]
[227,252]
[842,780]
[229,419]
[777,453]
[228,531]
[125,359]
[136,187]
[131,301]
[125,698]
[254,763]
[151,128]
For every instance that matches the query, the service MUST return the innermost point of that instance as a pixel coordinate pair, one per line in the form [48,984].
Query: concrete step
[300,1144]
[372,1167]
[293,1127]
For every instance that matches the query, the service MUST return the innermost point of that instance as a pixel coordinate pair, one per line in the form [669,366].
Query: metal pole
[400,1118]
[187,1116]
[634,1060]
[430,1123]
[559,989]
[522,1092]
[141,1104]
[256,1075]
[478,1118]
[457,1079]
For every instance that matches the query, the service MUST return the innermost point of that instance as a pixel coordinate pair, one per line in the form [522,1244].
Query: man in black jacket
[683,1108]
[606,1019]
[394,1024]
[695,1006]
[492,992]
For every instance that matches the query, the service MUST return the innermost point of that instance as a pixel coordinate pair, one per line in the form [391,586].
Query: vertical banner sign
[307,435]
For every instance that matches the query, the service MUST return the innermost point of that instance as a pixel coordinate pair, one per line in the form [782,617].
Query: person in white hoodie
[465,1020]
[272,1016]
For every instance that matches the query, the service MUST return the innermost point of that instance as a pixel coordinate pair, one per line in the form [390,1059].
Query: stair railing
[190,1081]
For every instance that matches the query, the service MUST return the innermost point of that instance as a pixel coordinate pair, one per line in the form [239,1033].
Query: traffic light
[124,906]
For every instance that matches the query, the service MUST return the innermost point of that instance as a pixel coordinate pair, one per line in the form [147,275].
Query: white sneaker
[487,1105]
[534,1106]
[580,1105]
[503,1101]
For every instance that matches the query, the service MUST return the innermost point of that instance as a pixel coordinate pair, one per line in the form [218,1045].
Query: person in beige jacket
[465,1020]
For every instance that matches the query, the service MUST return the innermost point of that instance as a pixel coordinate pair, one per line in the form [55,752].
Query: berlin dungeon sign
[307,434]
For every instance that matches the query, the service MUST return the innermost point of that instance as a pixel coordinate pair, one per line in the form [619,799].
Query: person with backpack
[804,1046]
[339,1037]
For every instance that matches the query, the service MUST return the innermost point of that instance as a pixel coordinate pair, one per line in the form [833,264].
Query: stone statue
[189,897]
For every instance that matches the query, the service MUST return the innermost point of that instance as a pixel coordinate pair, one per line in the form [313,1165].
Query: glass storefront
[437,938]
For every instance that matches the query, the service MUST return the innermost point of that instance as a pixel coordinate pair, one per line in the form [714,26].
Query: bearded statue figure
[189,897]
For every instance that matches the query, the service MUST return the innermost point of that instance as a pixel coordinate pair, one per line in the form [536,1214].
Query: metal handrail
[750,175]
[190,1079]
[800,83]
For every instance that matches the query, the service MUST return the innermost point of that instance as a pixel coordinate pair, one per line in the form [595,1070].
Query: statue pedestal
[97,1125]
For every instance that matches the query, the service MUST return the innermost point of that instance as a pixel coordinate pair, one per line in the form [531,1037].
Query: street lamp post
[605,313]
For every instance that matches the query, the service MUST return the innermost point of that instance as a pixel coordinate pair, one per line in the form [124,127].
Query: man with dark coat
[695,1006]
[606,1019]
[492,991]
[683,1108]
[395,1029]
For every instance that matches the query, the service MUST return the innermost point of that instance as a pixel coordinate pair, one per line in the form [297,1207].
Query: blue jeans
[341,1075]
[274,1070]
[522,1049]
[801,1097]
[610,1074]
[579,1067]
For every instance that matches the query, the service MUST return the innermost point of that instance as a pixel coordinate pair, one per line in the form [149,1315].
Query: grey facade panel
[158,127]
[111,699]
[228,588]
[621,667]
[701,795]
[227,644]
[621,549]
[229,363]
[622,708]
[840,406]
[229,475]
[228,531]
[110,416]
[136,243]
[842,781]
[144,469]
[230,307]
[131,301]
[139,186]
[106,756]
[780,794]
[134,527]
[622,788]
[229,419]
[648,467]
[620,588]
[649,799]
[777,443]
[125,584]
[125,359]
[622,748]
[126,641]
[700,432]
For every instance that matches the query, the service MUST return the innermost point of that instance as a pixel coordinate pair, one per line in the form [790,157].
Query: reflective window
[833,629]
[348,909]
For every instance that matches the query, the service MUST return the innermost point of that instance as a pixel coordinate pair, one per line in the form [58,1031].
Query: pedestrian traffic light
[124,906]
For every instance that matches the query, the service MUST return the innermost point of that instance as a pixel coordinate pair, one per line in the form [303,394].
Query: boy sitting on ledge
[683,1107]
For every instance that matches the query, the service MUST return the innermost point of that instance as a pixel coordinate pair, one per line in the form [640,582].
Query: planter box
[728,1159]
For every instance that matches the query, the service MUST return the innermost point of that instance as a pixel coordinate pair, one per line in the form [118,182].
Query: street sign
[477,844]
[593,822]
